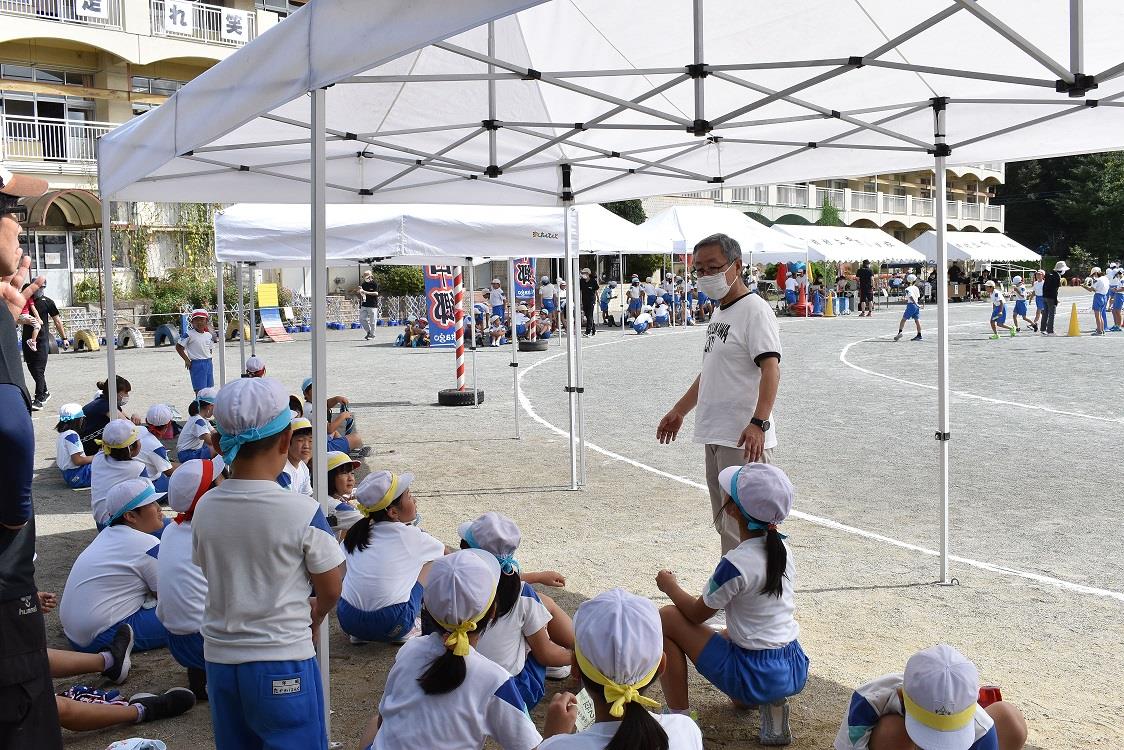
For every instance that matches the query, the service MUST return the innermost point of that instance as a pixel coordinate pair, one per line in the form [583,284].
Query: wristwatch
[764,424]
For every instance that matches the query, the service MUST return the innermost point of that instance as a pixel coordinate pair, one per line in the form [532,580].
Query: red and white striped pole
[458,314]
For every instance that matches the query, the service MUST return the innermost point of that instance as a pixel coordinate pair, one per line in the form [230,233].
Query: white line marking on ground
[525,403]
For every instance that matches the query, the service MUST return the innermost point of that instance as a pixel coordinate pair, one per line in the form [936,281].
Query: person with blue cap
[71,459]
[756,660]
[197,439]
[258,627]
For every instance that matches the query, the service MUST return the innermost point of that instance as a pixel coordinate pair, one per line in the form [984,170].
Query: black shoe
[46,397]
[174,702]
[361,452]
[197,683]
[120,648]
[36,405]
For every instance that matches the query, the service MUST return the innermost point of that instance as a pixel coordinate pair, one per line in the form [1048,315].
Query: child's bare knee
[889,734]
[1010,725]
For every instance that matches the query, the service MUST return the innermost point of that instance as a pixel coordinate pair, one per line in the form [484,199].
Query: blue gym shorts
[202,374]
[1039,303]
[912,312]
[753,677]
[1100,302]
[77,478]
[1020,308]
[148,632]
[999,314]
[531,682]
[267,704]
[187,650]
[1116,299]
[382,625]
[640,327]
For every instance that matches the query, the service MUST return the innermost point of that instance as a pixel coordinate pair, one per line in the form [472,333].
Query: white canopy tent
[586,101]
[977,247]
[683,226]
[845,245]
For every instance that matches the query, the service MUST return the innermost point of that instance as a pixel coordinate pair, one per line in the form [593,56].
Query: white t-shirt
[109,581]
[548,291]
[486,704]
[106,473]
[790,284]
[299,479]
[257,595]
[67,445]
[754,620]
[1018,291]
[634,292]
[1100,285]
[191,436]
[495,297]
[521,319]
[1038,286]
[153,454]
[668,287]
[682,734]
[184,595]
[385,572]
[642,318]
[661,310]
[997,299]
[198,345]
[505,640]
[738,337]
[649,289]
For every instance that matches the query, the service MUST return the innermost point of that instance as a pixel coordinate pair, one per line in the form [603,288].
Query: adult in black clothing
[369,307]
[589,287]
[36,359]
[28,715]
[866,289]
[1050,296]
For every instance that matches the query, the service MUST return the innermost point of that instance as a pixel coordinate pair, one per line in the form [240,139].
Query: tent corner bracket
[1082,83]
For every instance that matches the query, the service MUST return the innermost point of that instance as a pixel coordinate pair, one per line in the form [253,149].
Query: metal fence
[206,26]
[50,139]
[69,11]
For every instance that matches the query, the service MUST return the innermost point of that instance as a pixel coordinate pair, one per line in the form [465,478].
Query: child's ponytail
[193,408]
[446,673]
[358,537]
[776,561]
[639,730]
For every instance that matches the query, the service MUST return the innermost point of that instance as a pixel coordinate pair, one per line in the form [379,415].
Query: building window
[281,7]
[161,86]
[46,106]
[45,75]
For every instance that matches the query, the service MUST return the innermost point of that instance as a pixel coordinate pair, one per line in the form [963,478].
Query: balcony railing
[952,209]
[833,196]
[758,194]
[970,210]
[993,213]
[862,201]
[922,206]
[208,22]
[709,195]
[50,140]
[104,13]
[795,196]
[893,204]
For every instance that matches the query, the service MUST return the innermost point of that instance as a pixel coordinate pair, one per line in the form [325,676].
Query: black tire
[539,345]
[453,397]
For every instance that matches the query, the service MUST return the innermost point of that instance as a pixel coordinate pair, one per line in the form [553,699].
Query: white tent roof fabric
[980,247]
[683,226]
[846,245]
[635,99]
[279,235]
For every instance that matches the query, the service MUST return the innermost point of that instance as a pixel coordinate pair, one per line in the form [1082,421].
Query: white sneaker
[558,673]
[774,724]
[414,633]
[355,641]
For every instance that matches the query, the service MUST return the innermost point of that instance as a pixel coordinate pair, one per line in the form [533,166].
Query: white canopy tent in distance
[976,247]
[583,101]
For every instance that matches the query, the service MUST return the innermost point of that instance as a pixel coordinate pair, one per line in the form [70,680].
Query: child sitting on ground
[157,428]
[69,456]
[442,693]
[757,660]
[343,510]
[197,439]
[933,704]
[180,607]
[496,331]
[521,321]
[619,654]
[518,640]
[116,462]
[29,316]
[643,321]
[114,580]
[661,314]
[388,562]
[295,475]
[546,327]
[343,435]
[259,623]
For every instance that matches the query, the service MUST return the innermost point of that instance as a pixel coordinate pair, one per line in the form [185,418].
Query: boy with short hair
[259,622]
[998,310]
[912,312]
[196,347]
[295,473]
[342,433]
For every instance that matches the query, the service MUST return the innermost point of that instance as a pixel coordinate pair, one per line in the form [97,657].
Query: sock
[140,712]
[107,660]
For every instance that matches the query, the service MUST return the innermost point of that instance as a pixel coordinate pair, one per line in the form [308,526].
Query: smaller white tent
[683,226]
[844,245]
[978,247]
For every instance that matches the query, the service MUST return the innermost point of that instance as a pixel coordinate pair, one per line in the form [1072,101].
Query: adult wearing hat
[24,669]
[1050,296]
[369,305]
[36,359]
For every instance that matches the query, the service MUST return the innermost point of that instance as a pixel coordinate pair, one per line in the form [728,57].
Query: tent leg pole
[319,359]
[580,383]
[571,385]
[472,322]
[253,317]
[107,302]
[514,342]
[241,316]
[942,330]
[220,300]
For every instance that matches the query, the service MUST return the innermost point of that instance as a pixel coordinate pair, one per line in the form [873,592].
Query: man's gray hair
[731,250]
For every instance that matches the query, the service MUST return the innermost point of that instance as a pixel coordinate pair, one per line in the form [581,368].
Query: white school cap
[188,483]
[381,488]
[546,279]
[207,395]
[460,593]
[761,491]
[199,313]
[120,433]
[300,423]
[495,533]
[989,282]
[250,409]
[68,412]
[158,415]
[1095,269]
[495,281]
[618,644]
[940,693]
[128,495]
[255,364]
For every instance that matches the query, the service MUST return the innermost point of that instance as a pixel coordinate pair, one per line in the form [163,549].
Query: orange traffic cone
[1074,326]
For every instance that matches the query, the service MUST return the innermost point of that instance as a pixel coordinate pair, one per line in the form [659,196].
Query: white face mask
[122,400]
[716,286]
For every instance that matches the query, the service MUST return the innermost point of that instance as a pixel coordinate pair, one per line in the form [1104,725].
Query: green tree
[400,281]
[829,215]
[632,210]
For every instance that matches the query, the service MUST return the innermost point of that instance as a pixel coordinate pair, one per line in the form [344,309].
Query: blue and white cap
[207,395]
[762,492]
[126,496]
[70,412]
[495,533]
[250,409]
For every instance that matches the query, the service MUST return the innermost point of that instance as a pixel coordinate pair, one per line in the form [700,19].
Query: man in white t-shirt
[733,396]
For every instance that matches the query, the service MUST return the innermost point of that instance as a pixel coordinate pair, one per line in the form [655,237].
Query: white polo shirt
[505,640]
[299,478]
[738,337]
[495,297]
[184,596]
[754,620]
[486,704]
[108,582]
[106,473]
[67,445]
[191,436]
[153,454]
[257,595]
[198,345]
[548,291]
[682,734]
[642,318]
[385,572]
[1038,287]
[1100,285]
